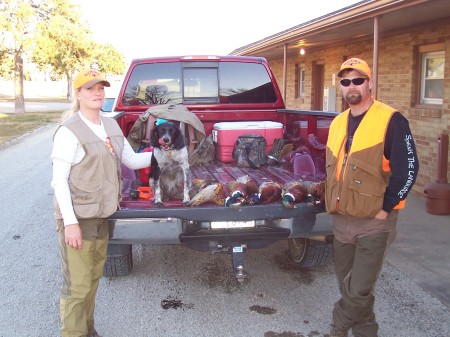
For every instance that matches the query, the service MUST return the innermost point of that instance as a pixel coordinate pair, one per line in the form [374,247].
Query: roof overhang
[350,23]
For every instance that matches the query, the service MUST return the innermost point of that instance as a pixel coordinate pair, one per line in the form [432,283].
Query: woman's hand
[73,237]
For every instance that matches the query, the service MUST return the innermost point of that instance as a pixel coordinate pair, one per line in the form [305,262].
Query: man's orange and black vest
[357,180]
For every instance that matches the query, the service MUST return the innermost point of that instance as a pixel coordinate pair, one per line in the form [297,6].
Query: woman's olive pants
[81,271]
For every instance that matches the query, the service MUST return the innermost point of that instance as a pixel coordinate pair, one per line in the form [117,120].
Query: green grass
[13,125]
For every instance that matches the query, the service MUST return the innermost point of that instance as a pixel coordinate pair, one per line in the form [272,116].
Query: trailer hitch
[237,259]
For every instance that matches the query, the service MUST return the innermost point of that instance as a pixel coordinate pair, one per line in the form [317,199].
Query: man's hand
[382,215]
[73,237]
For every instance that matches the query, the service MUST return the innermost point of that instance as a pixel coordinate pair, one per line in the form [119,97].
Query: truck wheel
[310,253]
[119,260]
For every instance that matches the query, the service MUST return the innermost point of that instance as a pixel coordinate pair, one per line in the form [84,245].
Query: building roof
[350,23]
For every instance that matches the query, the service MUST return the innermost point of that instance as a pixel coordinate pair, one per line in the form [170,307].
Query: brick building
[407,45]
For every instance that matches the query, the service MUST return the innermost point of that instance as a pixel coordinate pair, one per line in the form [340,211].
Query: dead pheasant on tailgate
[214,193]
[252,190]
[316,191]
[243,190]
[250,183]
[238,194]
[199,184]
[269,191]
[293,192]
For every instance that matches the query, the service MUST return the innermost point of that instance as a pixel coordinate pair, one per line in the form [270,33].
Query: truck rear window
[199,83]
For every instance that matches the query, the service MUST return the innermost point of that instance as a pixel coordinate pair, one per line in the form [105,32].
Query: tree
[66,45]
[6,64]
[17,20]
[109,60]
[63,43]
[52,35]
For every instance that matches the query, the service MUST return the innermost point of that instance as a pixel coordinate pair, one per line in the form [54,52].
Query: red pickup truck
[219,89]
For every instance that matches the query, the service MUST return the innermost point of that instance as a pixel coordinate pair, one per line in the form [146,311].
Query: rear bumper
[236,235]
[192,225]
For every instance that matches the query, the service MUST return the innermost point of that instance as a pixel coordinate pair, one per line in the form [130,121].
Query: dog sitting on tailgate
[171,174]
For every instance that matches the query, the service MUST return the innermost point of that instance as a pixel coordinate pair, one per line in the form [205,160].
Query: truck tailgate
[222,173]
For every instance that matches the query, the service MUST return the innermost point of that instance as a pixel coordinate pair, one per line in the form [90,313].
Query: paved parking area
[8,107]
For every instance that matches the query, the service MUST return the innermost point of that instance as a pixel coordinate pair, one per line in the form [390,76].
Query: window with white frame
[432,77]
[300,81]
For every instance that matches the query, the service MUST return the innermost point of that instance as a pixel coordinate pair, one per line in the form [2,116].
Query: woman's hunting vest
[95,182]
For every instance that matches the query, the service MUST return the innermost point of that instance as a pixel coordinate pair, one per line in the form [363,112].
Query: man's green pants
[358,262]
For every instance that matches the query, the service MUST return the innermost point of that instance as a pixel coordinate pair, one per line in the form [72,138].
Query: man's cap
[89,77]
[359,65]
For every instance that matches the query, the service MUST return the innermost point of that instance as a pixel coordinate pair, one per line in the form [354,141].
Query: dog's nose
[166,140]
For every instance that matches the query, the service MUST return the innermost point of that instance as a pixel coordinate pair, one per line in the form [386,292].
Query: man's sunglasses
[356,81]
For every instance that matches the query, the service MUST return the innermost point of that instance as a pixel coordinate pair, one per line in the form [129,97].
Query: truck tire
[119,261]
[310,253]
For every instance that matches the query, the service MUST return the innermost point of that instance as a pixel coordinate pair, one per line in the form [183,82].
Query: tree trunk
[69,86]
[19,100]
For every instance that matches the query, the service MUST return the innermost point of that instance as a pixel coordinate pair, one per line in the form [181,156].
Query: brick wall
[396,85]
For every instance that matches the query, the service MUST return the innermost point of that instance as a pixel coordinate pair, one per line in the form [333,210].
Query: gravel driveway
[174,291]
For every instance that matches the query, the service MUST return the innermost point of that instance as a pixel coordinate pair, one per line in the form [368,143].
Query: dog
[171,173]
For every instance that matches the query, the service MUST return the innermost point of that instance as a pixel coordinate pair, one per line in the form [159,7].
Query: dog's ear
[178,138]
[154,138]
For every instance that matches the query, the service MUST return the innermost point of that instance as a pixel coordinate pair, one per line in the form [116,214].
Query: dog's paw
[158,204]
[186,202]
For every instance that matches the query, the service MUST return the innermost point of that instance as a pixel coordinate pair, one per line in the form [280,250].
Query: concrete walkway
[422,248]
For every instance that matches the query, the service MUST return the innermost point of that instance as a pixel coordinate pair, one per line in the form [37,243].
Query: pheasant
[269,191]
[293,192]
[238,194]
[243,190]
[214,193]
[198,184]
[316,191]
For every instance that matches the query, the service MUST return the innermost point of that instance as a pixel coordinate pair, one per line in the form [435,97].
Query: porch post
[376,22]
[284,71]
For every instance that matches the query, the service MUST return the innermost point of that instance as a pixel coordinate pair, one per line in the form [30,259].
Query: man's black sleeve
[400,150]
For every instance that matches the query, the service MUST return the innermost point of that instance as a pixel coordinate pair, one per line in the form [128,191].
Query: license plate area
[232,224]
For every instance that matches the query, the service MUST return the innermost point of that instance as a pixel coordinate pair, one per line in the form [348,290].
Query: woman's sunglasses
[356,81]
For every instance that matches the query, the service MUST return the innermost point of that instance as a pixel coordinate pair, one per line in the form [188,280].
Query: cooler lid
[247,125]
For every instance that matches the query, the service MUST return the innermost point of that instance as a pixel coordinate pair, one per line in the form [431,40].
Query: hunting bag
[250,150]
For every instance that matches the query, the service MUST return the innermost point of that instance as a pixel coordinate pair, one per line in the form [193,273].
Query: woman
[88,150]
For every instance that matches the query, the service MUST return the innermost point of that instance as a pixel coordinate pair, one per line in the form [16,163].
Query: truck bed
[222,173]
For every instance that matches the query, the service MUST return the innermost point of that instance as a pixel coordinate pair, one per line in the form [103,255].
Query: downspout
[376,22]
[284,72]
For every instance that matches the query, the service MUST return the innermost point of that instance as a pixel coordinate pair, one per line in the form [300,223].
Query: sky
[146,28]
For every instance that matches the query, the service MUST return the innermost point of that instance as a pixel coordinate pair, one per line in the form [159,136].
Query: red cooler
[225,135]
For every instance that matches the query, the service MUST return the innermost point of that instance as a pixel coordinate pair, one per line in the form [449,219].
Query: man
[371,167]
